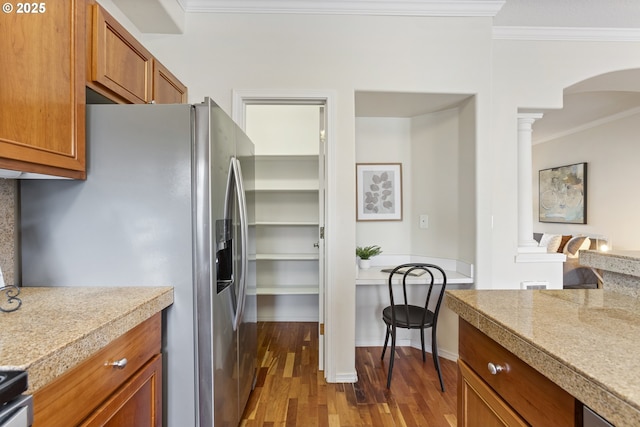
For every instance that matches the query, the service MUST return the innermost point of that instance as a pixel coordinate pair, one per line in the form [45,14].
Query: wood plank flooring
[290,391]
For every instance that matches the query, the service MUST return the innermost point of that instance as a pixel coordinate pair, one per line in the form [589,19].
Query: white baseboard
[286,317]
[351,377]
[408,343]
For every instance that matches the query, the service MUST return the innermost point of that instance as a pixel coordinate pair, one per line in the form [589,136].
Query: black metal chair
[407,316]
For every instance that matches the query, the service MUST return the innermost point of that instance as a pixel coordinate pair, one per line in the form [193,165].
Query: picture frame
[563,194]
[379,191]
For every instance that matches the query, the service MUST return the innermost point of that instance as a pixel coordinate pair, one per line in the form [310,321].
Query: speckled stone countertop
[586,341]
[624,262]
[56,328]
[620,270]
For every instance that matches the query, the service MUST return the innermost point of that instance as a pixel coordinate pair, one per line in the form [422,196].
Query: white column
[526,242]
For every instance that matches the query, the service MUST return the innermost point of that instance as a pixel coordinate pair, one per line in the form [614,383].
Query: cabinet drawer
[73,396]
[537,399]
[479,405]
[137,403]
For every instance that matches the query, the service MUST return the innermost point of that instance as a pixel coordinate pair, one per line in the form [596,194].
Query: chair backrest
[408,271]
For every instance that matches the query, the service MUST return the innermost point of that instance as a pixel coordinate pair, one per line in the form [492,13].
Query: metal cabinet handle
[120,364]
[496,369]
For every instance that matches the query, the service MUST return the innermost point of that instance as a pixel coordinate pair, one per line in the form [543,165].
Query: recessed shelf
[287,290]
[286,224]
[287,157]
[290,189]
[287,257]
[287,198]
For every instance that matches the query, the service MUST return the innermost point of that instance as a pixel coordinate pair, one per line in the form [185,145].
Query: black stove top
[12,384]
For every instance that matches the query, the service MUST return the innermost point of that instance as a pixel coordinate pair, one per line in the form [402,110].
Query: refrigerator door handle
[244,240]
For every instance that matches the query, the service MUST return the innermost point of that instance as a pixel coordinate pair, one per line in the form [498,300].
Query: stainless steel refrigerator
[167,202]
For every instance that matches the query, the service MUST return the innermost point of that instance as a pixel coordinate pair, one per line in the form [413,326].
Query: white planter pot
[364,263]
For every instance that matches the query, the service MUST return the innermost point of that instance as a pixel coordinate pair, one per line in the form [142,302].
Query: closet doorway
[290,194]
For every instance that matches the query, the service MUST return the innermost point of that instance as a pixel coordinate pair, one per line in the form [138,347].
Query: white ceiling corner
[154,16]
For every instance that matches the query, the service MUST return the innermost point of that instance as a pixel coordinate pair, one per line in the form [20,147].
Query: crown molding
[457,8]
[567,34]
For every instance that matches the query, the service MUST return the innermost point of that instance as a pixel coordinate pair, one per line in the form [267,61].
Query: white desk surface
[374,276]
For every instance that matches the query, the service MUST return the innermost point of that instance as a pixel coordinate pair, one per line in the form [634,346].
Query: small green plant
[366,252]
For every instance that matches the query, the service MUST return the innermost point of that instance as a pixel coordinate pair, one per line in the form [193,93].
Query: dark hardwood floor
[290,391]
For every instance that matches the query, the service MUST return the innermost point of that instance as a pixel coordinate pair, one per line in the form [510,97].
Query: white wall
[438,179]
[611,152]
[434,174]
[467,212]
[529,74]
[222,52]
[387,140]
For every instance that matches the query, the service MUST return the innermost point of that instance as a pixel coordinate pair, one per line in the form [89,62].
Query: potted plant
[365,253]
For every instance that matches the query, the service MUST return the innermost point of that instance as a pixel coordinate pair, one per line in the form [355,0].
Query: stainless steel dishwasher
[591,419]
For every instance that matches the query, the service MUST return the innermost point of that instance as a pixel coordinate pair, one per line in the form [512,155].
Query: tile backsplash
[8,229]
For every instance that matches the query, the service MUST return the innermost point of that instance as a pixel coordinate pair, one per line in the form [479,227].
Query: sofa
[574,275]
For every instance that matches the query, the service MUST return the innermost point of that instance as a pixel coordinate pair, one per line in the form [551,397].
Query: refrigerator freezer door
[215,224]
[243,265]
[247,327]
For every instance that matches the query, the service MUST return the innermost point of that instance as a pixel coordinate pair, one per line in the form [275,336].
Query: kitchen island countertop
[586,341]
[56,328]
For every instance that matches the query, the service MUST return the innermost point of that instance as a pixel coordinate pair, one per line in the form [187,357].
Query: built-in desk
[372,295]
[375,276]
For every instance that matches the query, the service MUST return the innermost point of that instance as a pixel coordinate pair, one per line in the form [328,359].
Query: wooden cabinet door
[138,403]
[42,88]
[167,89]
[119,63]
[479,405]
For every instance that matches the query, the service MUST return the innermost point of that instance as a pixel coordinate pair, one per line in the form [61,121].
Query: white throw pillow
[575,245]
[551,242]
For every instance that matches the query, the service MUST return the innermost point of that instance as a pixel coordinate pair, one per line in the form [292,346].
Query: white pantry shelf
[287,290]
[287,257]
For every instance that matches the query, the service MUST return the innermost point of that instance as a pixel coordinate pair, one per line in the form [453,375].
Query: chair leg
[386,340]
[434,352]
[392,356]
[424,359]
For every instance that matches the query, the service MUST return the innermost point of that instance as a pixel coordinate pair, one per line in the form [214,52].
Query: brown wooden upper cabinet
[120,68]
[42,88]
[51,52]
[167,89]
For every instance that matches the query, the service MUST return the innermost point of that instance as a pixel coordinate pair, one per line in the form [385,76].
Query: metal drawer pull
[496,369]
[120,364]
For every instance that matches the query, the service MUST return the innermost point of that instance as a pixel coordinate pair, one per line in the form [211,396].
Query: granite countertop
[624,262]
[583,340]
[56,328]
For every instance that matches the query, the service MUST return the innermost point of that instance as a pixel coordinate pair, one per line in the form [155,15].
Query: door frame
[240,99]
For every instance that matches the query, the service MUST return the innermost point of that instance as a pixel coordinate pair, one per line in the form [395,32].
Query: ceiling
[520,13]
[569,13]
[586,104]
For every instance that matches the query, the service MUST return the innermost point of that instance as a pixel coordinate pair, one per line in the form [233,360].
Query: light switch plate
[424,221]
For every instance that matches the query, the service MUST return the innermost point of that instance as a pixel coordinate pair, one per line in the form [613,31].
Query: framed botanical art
[379,191]
[563,194]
